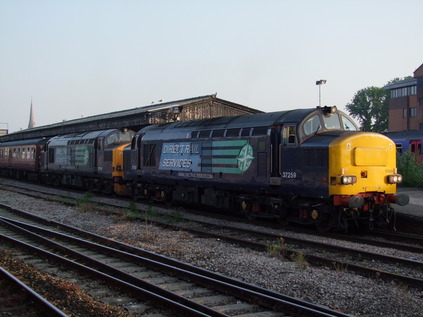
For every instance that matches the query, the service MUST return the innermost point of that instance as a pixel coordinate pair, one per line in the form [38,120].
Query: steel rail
[44,305]
[180,309]
[266,300]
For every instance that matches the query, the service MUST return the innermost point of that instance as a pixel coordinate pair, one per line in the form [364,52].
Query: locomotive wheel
[323,223]
[246,209]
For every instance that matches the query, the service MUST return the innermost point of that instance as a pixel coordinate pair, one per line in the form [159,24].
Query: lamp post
[320,83]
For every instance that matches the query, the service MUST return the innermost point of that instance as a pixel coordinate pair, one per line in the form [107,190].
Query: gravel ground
[337,289]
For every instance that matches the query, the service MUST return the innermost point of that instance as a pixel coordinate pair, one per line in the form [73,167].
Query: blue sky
[85,57]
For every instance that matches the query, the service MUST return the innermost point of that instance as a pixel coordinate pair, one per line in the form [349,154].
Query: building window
[413,112]
[405,91]
[404,112]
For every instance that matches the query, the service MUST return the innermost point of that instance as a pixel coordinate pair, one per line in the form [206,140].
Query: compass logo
[245,157]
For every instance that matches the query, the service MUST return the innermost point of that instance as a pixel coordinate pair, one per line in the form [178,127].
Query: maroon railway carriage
[21,159]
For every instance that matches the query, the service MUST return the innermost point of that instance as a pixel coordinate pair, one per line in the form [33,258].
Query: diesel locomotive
[89,160]
[310,166]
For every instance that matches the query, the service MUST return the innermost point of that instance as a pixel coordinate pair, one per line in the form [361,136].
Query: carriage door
[416,149]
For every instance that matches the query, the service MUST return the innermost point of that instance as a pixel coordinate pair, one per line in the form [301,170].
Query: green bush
[410,169]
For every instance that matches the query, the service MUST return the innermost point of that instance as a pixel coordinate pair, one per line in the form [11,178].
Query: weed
[173,217]
[300,260]
[131,213]
[277,248]
[63,200]
[84,203]
[340,267]
[152,212]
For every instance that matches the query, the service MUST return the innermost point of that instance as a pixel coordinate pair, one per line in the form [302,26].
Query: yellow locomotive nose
[362,162]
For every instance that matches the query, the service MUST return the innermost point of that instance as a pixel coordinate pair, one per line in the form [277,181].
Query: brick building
[406,104]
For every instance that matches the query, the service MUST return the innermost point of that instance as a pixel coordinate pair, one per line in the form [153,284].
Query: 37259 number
[289,175]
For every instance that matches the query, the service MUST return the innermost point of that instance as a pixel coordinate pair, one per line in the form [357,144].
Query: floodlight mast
[320,83]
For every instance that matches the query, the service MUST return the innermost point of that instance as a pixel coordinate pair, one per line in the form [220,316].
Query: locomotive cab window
[332,122]
[312,125]
[114,138]
[347,124]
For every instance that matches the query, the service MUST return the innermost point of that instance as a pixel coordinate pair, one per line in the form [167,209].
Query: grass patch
[299,259]
[131,213]
[277,248]
[84,203]
[173,217]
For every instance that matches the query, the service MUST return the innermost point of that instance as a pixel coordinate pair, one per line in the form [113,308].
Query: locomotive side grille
[261,164]
[108,156]
[316,157]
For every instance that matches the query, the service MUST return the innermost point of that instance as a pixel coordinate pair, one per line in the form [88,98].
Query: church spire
[31,123]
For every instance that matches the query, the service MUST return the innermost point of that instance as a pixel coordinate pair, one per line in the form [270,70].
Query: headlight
[348,179]
[394,179]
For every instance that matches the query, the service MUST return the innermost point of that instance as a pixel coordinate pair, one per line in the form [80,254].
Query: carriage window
[312,125]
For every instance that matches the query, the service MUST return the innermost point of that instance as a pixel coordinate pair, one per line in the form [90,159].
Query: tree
[370,106]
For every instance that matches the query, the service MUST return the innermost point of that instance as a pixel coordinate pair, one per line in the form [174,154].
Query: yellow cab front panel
[360,163]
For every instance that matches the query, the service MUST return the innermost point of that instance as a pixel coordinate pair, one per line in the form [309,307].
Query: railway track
[183,289]
[17,299]
[366,263]
[395,240]
[356,258]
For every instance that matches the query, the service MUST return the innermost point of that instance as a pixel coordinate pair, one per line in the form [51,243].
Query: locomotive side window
[312,125]
[51,155]
[218,133]
[246,132]
[100,144]
[289,135]
[149,155]
[232,132]
[204,134]
[260,131]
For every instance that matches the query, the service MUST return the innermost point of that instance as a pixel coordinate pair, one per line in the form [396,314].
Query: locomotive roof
[63,139]
[242,121]
[254,120]
[25,142]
